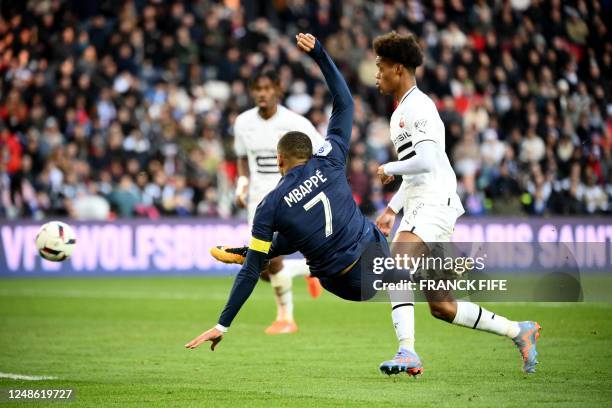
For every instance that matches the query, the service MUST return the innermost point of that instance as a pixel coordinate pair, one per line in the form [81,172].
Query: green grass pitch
[119,342]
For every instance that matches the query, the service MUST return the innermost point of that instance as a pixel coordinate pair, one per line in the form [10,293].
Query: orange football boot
[314,287]
[282,327]
[229,255]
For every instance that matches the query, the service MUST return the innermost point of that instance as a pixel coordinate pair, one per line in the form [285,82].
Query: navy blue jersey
[312,207]
[311,210]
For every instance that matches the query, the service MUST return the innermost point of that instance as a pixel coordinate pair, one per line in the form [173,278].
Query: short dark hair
[295,145]
[403,49]
[268,73]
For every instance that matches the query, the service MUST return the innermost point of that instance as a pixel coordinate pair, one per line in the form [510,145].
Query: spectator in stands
[124,197]
[149,90]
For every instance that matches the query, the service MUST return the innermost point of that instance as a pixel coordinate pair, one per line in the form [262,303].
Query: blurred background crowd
[125,108]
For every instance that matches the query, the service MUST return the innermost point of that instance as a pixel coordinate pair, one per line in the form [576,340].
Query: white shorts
[431,220]
[256,195]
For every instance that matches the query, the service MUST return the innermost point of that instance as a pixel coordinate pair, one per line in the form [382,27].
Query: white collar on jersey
[279,107]
[407,93]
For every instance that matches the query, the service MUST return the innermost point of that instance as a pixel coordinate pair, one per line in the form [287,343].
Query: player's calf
[524,334]
[443,310]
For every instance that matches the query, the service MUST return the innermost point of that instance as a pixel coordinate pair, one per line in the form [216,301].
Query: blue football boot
[404,362]
[526,343]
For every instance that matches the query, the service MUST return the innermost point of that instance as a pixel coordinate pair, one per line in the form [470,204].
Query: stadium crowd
[128,106]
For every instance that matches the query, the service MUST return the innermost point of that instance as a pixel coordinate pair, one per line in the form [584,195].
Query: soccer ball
[55,241]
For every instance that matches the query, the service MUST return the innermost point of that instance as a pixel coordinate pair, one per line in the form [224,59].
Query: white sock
[282,285]
[295,267]
[475,317]
[402,315]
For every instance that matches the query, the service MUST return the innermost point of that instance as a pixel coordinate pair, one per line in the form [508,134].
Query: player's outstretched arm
[386,219]
[243,287]
[341,121]
[422,161]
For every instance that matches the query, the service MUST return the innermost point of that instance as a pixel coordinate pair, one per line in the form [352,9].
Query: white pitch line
[26,377]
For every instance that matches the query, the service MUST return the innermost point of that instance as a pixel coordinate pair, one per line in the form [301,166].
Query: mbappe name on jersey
[305,188]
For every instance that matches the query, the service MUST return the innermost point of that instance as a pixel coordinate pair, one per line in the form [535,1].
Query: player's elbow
[424,164]
[427,165]
[425,151]
[350,105]
[345,105]
[349,110]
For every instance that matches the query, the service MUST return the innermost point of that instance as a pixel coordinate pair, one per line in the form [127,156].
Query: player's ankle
[513,329]
[407,344]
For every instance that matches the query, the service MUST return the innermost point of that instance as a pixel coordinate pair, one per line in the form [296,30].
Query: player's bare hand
[213,335]
[305,42]
[385,221]
[384,178]
[241,200]
[242,189]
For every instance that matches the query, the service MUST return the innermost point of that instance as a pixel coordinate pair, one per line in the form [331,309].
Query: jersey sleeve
[243,286]
[341,121]
[264,222]
[422,161]
[423,122]
[281,246]
[239,145]
[399,199]
[261,240]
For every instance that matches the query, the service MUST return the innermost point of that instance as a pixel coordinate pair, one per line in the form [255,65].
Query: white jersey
[416,120]
[256,138]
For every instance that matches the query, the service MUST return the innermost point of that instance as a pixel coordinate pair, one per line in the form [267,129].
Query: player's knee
[276,265]
[442,310]
[265,275]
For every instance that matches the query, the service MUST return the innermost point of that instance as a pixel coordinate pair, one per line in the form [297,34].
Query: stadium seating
[134,102]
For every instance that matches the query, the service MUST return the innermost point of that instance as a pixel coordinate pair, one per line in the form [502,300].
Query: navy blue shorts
[357,283]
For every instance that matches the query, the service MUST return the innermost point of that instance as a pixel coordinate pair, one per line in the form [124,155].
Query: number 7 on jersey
[326,209]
